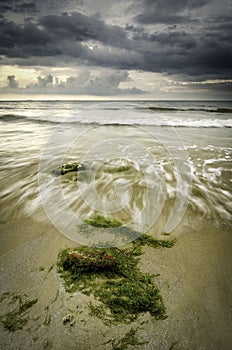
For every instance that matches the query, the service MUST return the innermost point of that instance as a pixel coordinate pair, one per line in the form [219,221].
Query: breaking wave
[147,120]
[207,110]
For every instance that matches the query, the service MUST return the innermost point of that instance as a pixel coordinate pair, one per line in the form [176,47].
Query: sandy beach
[195,280]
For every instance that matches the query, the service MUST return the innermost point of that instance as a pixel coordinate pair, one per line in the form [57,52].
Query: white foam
[170,122]
[168,177]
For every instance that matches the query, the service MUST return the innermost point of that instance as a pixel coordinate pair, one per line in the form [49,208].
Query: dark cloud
[172,38]
[25,40]
[4,7]
[167,11]
[18,7]
[79,27]
[27,7]
[27,34]
[218,90]
[58,35]
[67,38]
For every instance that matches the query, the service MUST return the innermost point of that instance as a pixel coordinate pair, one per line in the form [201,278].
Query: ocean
[159,167]
[176,155]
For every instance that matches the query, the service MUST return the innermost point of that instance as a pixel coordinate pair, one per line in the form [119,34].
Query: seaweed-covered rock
[71,167]
[68,168]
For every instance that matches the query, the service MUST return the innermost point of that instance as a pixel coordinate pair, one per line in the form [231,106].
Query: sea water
[176,154]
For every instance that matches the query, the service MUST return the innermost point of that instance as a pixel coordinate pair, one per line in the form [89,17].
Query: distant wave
[15,118]
[208,110]
[144,120]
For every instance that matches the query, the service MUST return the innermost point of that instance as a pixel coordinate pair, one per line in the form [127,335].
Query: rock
[71,167]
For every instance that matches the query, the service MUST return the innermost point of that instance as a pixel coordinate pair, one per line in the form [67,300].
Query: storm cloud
[168,11]
[16,6]
[177,38]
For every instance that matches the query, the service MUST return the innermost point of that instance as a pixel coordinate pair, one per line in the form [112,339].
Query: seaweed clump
[120,289]
[98,220]
[154,243]
[17,318]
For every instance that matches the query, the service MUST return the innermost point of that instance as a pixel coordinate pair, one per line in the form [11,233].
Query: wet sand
[195,282]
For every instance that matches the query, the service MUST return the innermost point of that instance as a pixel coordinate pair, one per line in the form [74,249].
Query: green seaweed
[99,311]
[98,220]
[4,296]
[13,321]
[81,266]
[27,305]
[152,242]
[47,319]
[128,297]
[112,276]
[16,319]
[129,339]
[127,233]
[50,269]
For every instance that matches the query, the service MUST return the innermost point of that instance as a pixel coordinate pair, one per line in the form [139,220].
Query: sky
[116,49]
